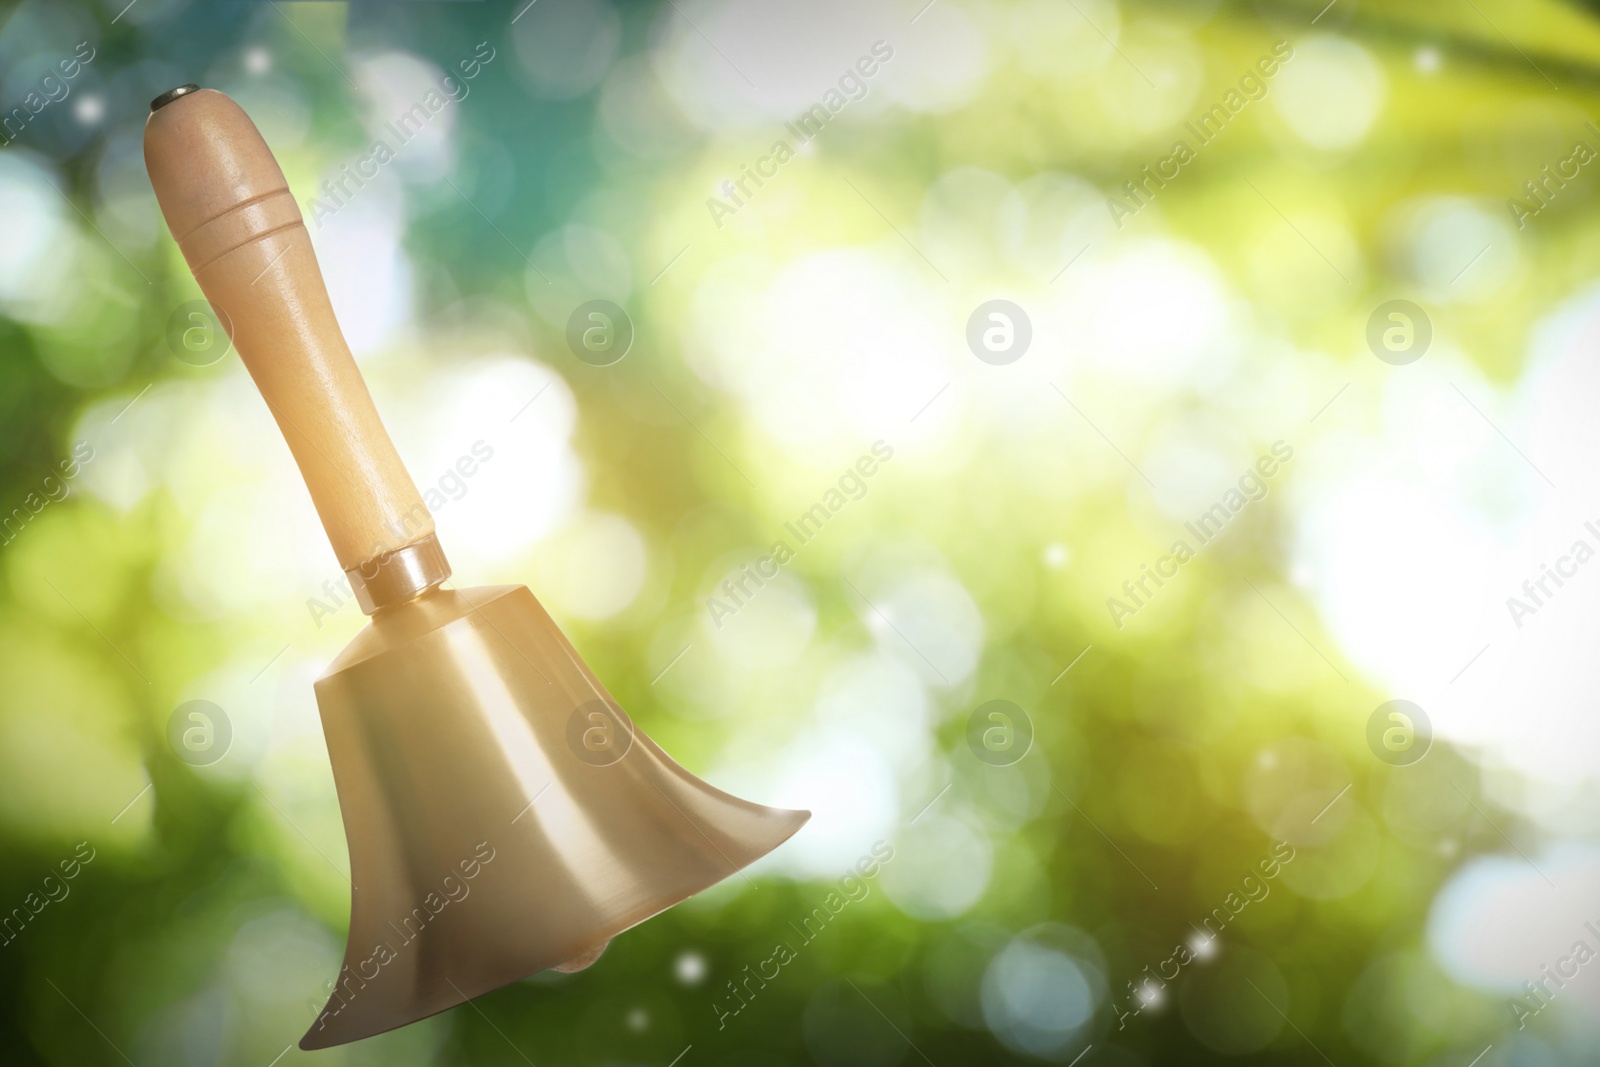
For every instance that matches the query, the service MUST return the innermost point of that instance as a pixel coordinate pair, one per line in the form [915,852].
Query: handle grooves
[260,217]
[245,241]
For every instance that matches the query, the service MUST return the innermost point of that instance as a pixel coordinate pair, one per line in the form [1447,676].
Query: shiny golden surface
[503,814]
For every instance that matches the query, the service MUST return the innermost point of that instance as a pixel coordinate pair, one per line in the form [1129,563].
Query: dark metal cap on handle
[172,94]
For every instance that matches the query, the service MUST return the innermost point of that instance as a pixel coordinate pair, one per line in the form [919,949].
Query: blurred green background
[160,548]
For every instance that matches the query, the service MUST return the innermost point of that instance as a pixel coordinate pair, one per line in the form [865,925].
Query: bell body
[503,814]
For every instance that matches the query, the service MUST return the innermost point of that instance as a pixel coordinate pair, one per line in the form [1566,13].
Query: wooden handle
[230,210]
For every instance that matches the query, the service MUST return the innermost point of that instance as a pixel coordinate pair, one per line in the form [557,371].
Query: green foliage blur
[778,337]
